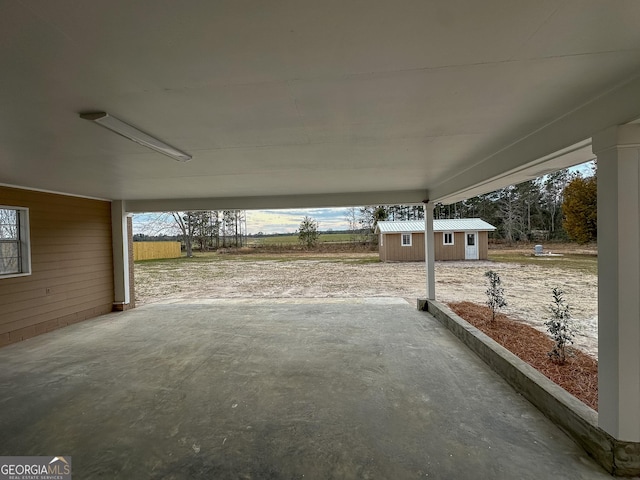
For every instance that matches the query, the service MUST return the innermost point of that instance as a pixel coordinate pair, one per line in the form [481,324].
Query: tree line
[560,206]
[205,230]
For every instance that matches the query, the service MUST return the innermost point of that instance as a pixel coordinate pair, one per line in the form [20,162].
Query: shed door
[471,246]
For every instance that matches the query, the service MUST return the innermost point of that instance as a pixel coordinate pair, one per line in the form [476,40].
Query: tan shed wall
[392,250]
[156,250]
[449,252]
[483,245]
[71,264]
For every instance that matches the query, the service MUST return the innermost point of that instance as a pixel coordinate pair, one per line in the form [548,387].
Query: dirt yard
[527,285]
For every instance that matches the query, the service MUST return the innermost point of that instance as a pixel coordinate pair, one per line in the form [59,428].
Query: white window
[15,255]
[381,240]
[406,239]
[447,238]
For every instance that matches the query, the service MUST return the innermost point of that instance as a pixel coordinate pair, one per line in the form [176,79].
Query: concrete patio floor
[273,389]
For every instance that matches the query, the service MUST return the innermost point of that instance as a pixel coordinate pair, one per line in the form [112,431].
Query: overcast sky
[265,221]
[288,221]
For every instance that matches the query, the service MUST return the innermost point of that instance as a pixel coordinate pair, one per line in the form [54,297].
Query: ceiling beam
[562,141]
[407,197]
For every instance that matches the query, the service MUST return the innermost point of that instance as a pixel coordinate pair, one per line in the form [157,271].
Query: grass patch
[582,263]
[358,261]
[169,262]
[302,257]
[165,262]
[211,257]
[293,239]
[279,240]
[576,262]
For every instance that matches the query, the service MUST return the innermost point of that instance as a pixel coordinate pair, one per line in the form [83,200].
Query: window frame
[23,242]
[444,238]
[402,237]
[475,239]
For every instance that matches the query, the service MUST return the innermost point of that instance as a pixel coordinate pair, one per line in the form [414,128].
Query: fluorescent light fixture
[121,128]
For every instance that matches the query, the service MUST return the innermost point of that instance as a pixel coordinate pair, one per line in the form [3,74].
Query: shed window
[471,239]
[15,258]
[381,240]
[447,238]
[406,239]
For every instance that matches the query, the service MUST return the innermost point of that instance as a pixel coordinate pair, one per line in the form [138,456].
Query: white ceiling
[307,103]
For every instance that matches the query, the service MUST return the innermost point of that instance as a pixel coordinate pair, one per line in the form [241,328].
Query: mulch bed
[578,376]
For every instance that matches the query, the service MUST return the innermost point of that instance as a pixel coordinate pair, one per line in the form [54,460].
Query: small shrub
[559,327]
[495,293]
[308,234]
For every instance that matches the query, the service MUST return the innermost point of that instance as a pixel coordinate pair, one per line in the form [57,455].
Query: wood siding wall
[71,264]
[391,249]
[483,245]
[449,252]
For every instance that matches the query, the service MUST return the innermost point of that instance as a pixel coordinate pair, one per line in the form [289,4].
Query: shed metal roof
[448,225]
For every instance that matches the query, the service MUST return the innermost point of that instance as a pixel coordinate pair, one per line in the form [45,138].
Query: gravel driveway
[527,287]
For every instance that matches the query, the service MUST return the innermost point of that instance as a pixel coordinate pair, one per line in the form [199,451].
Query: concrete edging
[578,420]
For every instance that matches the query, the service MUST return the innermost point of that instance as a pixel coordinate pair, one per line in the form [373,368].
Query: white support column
[429,250]
[120,242]
[618,151]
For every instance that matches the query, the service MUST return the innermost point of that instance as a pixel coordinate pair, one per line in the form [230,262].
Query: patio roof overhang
[303,103]
[309,104]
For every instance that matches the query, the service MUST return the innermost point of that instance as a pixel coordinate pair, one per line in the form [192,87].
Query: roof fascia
[562,143]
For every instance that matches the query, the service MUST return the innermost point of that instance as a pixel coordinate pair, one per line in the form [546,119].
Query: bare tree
[510,212]
[214,232]
[352,220]
[198,228]
[184,221]
[368,220]
[554,185]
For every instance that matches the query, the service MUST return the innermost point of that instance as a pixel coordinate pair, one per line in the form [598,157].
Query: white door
[471,246]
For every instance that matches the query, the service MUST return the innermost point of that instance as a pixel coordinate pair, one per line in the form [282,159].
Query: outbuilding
[454,239]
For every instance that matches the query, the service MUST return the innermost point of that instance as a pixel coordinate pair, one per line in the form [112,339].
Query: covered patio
[314,389]
[301,104]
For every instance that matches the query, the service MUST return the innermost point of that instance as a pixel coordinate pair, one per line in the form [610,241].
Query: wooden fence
[155,250]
